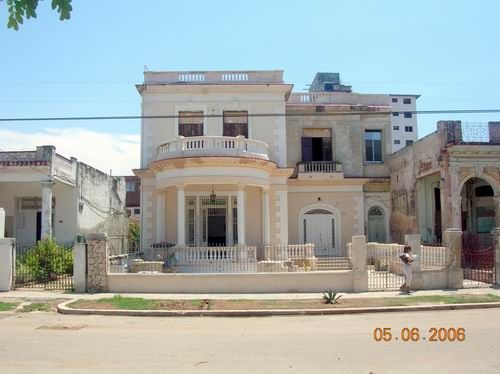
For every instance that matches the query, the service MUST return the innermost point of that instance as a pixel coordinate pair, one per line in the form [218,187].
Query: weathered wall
[347,137]
[405,167]
[102,202]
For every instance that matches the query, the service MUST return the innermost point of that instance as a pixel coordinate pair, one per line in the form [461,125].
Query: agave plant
[331,297]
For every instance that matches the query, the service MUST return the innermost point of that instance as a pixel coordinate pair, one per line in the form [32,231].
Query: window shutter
[306,149]
[327,149]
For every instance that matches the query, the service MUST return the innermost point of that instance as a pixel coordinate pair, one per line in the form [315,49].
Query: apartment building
[404,128]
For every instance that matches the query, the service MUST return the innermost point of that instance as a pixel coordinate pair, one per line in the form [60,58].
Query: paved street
[53,343]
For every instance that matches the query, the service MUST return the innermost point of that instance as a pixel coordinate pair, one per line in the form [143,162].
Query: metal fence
[478,260]
[224,259]
[44,265]
[384,266]
[433,256]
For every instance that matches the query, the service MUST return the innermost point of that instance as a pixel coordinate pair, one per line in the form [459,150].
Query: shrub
[331,297]
[47,260]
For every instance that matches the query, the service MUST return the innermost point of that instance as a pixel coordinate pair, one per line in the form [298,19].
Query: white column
[181,215]
[160,216]
[283,216]
[47,209]
[266,233]
[456,200]
[229,222]
[241,196]
[2,223]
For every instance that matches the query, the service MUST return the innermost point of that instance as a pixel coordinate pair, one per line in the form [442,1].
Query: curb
[64,309]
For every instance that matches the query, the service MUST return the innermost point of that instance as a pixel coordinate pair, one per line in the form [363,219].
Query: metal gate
[478,260]
[44,266]
[384,266]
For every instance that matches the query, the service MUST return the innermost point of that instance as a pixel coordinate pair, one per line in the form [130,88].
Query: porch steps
[332,263]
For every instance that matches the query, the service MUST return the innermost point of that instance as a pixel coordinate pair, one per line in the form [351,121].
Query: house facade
[237,158]
[448,179]
[133,196]
[45,194]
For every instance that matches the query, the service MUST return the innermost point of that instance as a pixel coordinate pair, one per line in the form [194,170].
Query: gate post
[359,254]
[415,242]
[7,261]
[97,262]
[80,267]
[496,252]
[453,242]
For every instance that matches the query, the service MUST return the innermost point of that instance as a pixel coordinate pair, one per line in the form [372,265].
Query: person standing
[407,259]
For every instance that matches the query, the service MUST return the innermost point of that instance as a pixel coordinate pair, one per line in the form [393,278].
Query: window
[408,115]
[190,124]
[394,99]
[397,142]
[409,128]
[131,186]
[328,86]
[395,114]
[395,128]
[235,123]
[373,145]
[409,142]
[137,211]
[406,101]
[316,145]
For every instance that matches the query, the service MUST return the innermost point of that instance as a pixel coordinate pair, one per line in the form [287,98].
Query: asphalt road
[53,343]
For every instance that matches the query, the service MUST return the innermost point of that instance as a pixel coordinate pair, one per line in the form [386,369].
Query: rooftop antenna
[146,68]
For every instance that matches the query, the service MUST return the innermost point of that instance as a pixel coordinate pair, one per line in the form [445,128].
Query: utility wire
[312,114]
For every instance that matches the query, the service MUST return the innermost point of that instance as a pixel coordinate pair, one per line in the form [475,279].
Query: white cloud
[102,150]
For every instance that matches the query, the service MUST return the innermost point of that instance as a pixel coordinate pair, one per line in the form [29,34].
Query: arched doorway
[320,226]
[478,220]
[376,225]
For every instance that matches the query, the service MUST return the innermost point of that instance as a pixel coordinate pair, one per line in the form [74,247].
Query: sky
[446,51]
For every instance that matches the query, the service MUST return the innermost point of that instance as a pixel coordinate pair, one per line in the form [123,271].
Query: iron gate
[384,266]
[43,266]
[478,260]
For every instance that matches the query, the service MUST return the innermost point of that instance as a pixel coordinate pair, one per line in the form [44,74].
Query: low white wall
[434,279]
[233,283]
[6,263]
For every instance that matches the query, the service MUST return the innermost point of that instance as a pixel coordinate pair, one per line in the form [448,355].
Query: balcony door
[316,145]
[190,124]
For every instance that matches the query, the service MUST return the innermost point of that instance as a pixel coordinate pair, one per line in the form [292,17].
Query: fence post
[415,242]
[80,267]
[97,262]
[7,260]
[359,254]
[453,242]
[496,242]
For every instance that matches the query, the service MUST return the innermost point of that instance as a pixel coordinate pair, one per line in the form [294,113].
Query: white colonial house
[236,158]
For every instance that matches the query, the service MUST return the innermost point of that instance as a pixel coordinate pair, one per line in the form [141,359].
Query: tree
[21,9]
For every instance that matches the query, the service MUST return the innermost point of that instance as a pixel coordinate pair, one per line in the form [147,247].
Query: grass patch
[129,303]
[4,307]
[445,299]
[37,307]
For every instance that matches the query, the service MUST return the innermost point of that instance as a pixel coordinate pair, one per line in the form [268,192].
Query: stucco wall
[213,100]
[347,138]
[232,283]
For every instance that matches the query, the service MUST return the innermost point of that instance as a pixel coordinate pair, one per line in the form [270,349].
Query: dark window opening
[317,145]
[329,86]
[409,142]
[235,124]
[397,142]
[395,127]
[190,124]
[406,101]
[484,191]
[395,114]
[408,115]
[409,128]
[373,145]
[394,99]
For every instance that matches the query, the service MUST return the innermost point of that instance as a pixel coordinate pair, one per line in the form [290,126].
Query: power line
[312,114]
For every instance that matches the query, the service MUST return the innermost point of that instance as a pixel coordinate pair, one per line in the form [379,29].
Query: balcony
[214,77]
[338,98]
[320,170]
[200,146]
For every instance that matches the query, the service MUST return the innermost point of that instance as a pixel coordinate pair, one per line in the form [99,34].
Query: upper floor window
[373,145]
[397,142]
[406,101]
[190,124]
[235,123]
[316,145]
[395,114]
[131,186]
[409,142]
[408,115]
[395,127]
[394,99]
[409,128]
[329,86]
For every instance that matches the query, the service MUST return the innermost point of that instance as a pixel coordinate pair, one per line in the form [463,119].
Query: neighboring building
[404,120]
[328,82]
[46,194]
[133,196]
[448,179]
[239,176]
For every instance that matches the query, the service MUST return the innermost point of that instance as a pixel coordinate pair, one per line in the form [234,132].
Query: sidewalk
[50,295]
